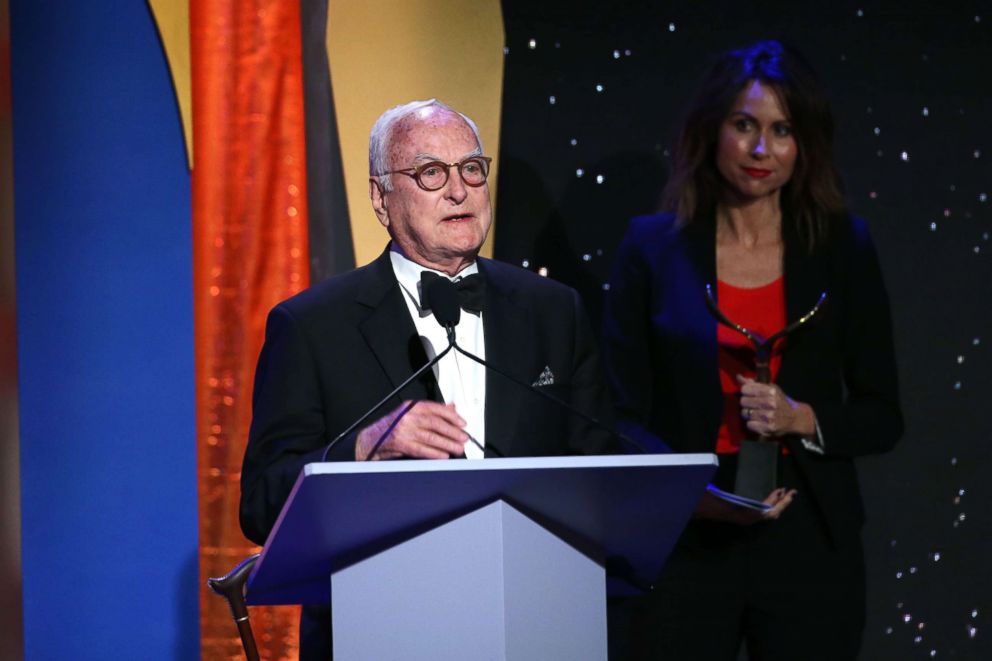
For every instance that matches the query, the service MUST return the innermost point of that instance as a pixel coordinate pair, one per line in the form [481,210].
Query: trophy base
[757,469]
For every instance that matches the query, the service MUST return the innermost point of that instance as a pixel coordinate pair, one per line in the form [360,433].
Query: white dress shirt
[462,380]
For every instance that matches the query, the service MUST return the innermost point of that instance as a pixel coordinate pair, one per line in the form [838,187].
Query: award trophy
[757,462]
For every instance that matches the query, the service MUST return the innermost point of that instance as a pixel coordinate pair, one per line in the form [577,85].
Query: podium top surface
[494,464]
[627,506]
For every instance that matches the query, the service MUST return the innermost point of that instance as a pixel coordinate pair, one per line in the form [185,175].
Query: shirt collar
[408,273]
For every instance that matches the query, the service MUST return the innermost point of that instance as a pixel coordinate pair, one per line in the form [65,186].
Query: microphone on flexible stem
[440,296]
[443,301]
[565,405]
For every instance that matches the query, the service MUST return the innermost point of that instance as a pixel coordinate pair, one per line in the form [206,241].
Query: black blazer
[334,350]
[661,349]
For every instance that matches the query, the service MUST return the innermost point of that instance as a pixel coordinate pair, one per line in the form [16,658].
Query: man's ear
[378,197]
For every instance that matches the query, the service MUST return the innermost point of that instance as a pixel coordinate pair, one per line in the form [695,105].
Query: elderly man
[334,350]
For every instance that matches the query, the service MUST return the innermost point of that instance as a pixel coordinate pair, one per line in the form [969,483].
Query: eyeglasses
[434,175]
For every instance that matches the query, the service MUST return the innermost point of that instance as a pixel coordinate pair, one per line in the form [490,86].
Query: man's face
[441,229]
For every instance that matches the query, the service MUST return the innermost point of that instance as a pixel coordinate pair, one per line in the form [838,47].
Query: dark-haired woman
[756,211]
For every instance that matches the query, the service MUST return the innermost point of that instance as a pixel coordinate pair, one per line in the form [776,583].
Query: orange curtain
[250,252]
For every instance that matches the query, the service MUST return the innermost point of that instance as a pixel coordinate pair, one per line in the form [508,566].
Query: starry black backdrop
[592,99]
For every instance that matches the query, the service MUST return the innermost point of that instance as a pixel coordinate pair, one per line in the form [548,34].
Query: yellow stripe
[382,54]
[172,18]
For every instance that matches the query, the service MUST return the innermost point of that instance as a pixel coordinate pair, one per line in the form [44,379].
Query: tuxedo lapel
[510,346]
[390,333]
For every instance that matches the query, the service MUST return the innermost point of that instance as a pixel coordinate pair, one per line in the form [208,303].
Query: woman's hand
[768,411]
[717,509]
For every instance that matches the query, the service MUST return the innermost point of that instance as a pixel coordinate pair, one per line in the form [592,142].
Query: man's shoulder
[337,291]
[514,277]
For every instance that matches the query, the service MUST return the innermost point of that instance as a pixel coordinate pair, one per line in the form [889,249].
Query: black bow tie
[471,291]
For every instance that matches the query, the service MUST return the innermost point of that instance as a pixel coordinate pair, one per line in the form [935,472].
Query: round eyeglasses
[434,175]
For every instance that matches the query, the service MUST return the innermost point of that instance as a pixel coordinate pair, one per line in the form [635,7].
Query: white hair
[381,136]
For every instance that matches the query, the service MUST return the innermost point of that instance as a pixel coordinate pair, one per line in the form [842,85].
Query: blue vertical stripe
[105,336]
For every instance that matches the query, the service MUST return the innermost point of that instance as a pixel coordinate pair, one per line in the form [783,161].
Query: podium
[494,559]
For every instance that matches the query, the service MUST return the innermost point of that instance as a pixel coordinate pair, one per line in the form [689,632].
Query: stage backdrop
[104,270]
[594,92]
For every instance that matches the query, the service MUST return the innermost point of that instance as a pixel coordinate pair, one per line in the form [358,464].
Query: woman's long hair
[813,193]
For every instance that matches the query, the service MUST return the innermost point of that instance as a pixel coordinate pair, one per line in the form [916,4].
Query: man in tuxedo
[334,350]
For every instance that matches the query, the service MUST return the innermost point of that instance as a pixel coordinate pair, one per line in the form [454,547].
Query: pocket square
[546,378]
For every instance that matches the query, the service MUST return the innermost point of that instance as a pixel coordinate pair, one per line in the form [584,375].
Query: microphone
[568,407]
[440,296]
[368,414]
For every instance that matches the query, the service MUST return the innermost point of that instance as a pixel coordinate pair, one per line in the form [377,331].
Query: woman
[757,212]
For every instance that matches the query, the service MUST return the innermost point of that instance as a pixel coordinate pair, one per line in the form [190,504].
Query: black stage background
[593,96]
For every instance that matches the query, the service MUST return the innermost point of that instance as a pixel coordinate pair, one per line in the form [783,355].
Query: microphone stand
[368,414]
[440,294]
[585,416]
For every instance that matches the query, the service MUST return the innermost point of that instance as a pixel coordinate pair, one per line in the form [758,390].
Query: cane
[232,587]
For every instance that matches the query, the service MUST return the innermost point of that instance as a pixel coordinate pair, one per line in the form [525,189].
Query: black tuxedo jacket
[334,350]
[661,350]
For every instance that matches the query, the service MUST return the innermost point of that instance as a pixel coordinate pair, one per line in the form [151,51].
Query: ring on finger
[747,414]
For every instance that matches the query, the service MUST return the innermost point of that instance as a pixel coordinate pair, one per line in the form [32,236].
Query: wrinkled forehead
[431,131]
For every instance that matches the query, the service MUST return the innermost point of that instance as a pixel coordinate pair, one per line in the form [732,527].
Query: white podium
[491,559]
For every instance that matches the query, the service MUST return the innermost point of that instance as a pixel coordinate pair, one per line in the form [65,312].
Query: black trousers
[781,588]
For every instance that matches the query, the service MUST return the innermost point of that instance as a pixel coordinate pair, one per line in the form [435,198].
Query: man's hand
[770,412]
[717,509]
[421,429]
